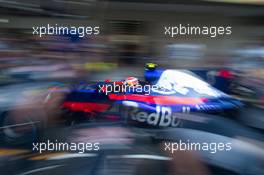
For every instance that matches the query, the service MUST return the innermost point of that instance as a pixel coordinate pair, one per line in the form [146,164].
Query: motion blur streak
[196,70]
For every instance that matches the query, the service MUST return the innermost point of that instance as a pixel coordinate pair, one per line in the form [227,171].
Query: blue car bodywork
[174,92]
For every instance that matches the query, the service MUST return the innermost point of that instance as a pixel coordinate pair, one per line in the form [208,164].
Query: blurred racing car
[153,104]
[27,108]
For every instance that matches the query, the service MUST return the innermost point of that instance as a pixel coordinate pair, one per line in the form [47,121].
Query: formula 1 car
[149,103]
[156,104]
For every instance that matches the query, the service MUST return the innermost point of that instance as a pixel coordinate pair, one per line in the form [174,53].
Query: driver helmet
[131,81]
[150,66]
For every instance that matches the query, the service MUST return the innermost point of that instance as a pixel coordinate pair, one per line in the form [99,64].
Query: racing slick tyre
[21,127]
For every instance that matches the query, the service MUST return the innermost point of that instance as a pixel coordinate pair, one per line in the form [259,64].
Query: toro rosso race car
[154,103]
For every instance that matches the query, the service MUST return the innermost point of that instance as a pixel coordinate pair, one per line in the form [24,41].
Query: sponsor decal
[163,116]
[173,82]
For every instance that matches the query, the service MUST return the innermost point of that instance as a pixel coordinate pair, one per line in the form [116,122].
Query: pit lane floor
[23,161]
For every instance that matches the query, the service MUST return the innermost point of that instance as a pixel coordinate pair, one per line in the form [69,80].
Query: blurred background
[131,34]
